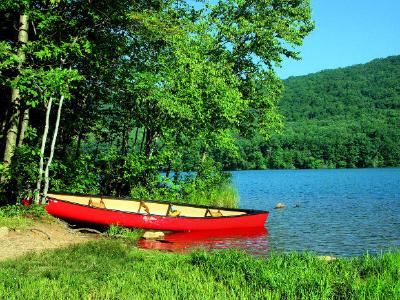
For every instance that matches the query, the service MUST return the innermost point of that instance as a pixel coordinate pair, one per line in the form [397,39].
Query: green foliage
[22,172]
[120,174]
[152,86]
[38,85]
[343,118]
[75,175]
[112,269]
[7,58]
[224,195]
[208,186]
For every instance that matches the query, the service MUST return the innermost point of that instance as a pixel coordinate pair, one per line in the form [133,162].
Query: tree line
[342,118]
[100,96]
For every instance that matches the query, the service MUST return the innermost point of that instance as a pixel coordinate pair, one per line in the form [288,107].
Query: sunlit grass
[123,232]
[112,270]
[21,217]
[16,222]
[224,196]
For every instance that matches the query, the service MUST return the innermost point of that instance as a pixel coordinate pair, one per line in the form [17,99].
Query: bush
[207,186]
[21,175]
[75,175]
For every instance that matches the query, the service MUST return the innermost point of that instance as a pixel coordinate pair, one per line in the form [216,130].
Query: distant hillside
[347,117]
[344,93]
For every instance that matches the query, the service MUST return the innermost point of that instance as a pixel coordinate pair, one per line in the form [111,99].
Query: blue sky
[347,32]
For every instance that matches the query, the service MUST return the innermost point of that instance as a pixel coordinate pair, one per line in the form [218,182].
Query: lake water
[344,212]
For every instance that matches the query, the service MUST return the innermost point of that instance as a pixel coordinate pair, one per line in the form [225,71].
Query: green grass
[123,232]
[21,217]
[15,222]
[224,196]
[111,269]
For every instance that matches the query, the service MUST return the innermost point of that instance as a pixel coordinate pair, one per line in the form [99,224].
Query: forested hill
[348,93]
[347,117]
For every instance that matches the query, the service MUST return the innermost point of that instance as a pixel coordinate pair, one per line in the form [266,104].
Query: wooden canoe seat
[100,204]
[210,213]
[172,211]
[145,207]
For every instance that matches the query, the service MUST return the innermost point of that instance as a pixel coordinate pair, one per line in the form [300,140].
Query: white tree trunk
[42,148]
[53,144]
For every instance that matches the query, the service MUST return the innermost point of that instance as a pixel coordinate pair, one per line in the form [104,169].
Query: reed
[110,269]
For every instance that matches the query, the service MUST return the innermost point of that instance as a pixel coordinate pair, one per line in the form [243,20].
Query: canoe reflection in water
[252,240]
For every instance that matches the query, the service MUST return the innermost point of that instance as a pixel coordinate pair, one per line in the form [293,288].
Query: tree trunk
[168,170]
[149,141]
[78,145]
[4,123]
[143,139]
[12,132]
[125,140]
[53,144]
[203,157]
[42,148]
[136,136]
[23,124]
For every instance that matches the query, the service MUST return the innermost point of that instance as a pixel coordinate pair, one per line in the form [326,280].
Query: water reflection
[251,240]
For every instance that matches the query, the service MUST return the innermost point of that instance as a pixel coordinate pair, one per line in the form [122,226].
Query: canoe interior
[156,208]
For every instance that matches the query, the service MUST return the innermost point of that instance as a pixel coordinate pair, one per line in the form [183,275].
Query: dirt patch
[38,237]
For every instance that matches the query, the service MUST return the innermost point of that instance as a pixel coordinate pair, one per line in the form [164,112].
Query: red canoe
[150,214]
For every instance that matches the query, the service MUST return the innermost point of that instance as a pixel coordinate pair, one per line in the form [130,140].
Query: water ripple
[342,212]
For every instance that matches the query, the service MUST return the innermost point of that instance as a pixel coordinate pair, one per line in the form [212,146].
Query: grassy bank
[113,270]
[21,217]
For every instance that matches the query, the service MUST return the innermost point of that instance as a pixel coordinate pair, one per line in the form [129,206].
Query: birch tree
[56,82]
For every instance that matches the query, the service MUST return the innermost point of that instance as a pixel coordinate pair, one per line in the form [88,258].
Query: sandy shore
[38,237]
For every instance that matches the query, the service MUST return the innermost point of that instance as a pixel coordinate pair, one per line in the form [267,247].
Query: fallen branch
[41,231]
[91,230]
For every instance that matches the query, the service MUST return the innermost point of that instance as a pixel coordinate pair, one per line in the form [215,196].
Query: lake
[343,212]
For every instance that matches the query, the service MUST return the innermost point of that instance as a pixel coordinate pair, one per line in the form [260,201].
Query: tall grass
[124,232]
[113,270]
[223,196]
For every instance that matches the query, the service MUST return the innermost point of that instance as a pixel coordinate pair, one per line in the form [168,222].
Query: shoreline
[41,235]
[53,234]
[104,268]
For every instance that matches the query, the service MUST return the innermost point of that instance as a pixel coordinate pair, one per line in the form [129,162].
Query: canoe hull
[83,213]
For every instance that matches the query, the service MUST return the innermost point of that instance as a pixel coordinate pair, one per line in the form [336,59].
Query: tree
[17,115]
[162,85]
